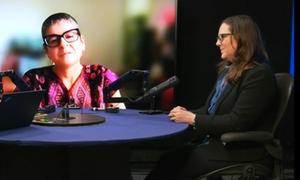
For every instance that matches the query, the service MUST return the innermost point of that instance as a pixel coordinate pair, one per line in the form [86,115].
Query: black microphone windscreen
[171,82]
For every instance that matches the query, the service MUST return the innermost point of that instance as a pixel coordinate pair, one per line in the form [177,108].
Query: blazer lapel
[226,91]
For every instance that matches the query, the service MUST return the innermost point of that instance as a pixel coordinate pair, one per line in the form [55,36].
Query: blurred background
[119,34]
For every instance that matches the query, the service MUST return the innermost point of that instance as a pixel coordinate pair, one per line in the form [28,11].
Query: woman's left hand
[181,115]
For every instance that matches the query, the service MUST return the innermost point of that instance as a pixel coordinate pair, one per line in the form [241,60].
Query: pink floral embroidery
[85,92]
[93,75]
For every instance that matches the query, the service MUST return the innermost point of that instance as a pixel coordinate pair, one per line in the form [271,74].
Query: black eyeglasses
[221,37]
[53,40]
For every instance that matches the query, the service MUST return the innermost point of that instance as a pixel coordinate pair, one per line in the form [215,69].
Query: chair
[252,170]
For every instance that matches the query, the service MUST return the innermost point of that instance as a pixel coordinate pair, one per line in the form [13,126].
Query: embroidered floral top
[87,90]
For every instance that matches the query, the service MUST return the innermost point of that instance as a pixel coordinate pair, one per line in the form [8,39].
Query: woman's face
[65,54]
[226,42]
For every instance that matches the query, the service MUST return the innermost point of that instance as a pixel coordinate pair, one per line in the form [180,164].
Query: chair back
[285,84]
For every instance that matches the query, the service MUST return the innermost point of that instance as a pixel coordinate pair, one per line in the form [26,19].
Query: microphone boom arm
[117,84]
[130,75]
[171,82]
[15,79]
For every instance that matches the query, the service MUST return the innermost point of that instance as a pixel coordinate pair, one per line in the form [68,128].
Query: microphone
[171,82]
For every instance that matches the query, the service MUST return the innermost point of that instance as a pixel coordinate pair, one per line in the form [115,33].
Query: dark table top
[126,126]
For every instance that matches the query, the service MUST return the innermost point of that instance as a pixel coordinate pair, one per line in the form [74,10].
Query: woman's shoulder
[90,68]
[99,70]
[264,68]
[261,71]
[40,70]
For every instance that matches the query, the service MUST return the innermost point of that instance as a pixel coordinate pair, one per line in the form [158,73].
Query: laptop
[18,109]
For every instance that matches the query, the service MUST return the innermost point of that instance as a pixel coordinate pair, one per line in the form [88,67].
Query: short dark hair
[53,19]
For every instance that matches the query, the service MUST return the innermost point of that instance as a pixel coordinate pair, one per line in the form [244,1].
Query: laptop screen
[18,109]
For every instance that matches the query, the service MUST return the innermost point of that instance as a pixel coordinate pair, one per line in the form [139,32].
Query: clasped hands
[182,115]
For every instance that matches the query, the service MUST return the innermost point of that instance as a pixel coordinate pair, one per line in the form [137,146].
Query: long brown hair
[250,47]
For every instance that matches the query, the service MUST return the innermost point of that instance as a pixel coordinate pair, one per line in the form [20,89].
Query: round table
[76,152]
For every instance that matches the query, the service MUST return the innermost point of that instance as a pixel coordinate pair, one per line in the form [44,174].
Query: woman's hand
[182,115]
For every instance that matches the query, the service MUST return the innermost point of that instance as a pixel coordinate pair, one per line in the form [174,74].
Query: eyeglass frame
[59,37]
[222,36]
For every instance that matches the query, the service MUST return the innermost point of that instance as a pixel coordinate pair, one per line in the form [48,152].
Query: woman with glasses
[242,100]
[68,81]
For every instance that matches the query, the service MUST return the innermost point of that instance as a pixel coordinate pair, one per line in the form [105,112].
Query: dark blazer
[245,105]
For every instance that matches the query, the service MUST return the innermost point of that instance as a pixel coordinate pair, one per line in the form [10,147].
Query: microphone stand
[152,109]
[65,113]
